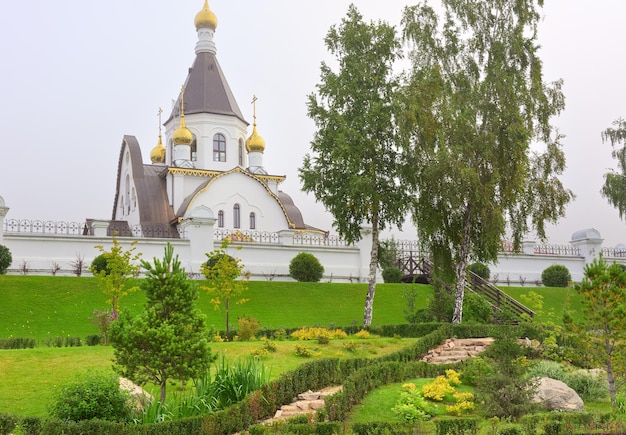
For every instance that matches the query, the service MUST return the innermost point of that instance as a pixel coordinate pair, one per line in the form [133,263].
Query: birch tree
[614,188]
[483,158]
[353,165]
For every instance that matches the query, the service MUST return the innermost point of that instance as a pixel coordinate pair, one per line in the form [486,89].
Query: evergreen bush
[556,275]
[92,396]
[99,264]
[5,259]
[392,274]
[481,270]
[305,267]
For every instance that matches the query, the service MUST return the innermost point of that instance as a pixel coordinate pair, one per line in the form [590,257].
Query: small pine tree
[168,339]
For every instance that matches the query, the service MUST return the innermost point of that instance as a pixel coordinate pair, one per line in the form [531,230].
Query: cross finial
[254,100]
[182,101]
[159,115]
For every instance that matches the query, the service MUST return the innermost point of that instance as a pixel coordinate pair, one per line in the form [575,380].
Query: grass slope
[43,307]
[30,378]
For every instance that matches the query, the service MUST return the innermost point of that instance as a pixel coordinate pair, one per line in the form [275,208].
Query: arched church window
[252,221]
[133,199]
[220,219]
[194,149]
[241,152]
[236,216]
[219,148]
[127,211]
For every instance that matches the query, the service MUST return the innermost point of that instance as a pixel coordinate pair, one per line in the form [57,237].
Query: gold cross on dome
[254,100]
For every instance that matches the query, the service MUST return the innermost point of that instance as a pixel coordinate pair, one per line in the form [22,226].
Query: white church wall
[251,196]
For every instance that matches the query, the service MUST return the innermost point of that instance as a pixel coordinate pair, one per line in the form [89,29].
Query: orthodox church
[206,166]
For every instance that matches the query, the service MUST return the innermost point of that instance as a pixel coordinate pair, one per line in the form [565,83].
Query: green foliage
[556,275]
[412,405]
[248,328]
[476,309]
[603,327]
[480,269]
[120,265]
[475,102]
[99,264]
[305,267]
[353,168]
[505,390]
[168,339]
[103,320]
[5,259]
[387,254]
[226,281]
[17,343]
[392,274]
[92,396]
[412,313]
[7,423]
[615,181]
[457,426]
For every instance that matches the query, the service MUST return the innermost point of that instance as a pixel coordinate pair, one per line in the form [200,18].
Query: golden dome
[182,135]
[157,155]
[255,143]
[206,19]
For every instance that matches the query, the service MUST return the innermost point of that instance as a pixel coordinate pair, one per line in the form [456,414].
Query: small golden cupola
[206,19]
[182,135]
[157,155]
[255,143]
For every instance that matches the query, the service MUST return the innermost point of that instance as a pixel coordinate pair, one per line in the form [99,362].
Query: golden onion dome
[206,19]
[255,143]
[182,135]
[157,155]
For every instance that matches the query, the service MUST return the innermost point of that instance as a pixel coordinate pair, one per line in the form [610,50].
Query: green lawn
[42,307]
[30,377]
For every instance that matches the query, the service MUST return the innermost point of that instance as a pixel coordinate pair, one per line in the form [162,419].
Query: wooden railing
[499,301]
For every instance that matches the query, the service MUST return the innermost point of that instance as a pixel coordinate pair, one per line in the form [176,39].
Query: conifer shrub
[305,267]
[5,259]
[556,275]
[480,269]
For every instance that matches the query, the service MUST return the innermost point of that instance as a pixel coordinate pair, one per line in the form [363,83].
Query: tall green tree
[475,103]
[226,281]
[168,339]
[614,188]
[603,327]
[353,167]
[121,265]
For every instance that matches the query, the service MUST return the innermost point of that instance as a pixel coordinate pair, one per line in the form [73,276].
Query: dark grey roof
[207,91]
[152,201]
[295,216]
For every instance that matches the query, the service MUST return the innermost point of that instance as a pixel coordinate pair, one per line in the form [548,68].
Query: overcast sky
[76,76]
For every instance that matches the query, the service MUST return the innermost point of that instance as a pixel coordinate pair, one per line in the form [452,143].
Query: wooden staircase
[499,301]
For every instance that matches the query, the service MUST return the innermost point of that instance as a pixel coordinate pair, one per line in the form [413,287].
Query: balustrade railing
[614,252]
[564,250]
[43,227]
[221,234]
[314,239]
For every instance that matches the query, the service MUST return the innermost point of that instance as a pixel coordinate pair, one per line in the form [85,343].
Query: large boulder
[140,397]
[557,396]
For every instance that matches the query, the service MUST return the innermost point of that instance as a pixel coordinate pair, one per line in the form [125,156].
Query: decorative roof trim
[248,174]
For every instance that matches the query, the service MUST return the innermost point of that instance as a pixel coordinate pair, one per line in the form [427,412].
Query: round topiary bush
[5,259]
[556,275]
[305,267]
[392,274]
[94,395]
[480,269]
[99,264]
